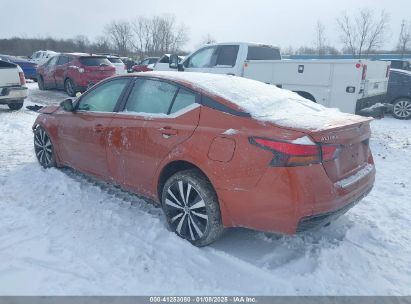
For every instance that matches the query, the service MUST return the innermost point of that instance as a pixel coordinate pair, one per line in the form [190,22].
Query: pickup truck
[353,86]
[13,88]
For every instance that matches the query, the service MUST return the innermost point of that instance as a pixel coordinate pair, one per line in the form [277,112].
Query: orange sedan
[214,151]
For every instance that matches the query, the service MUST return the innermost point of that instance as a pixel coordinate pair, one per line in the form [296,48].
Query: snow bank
[64,234]
[265,102]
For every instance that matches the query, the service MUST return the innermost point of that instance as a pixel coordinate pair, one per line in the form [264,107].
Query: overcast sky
[283,23]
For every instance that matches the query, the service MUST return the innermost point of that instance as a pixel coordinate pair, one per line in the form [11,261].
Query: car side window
[227,55]
[52,61]
[151,97]
[202,59]
[183,99]
[62,60]
[104,97]
[144,62]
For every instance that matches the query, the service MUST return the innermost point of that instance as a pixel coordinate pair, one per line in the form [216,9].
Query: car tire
[40,83]
[69,87]
[402,108]
[15,106]
[43,147]
[191,207]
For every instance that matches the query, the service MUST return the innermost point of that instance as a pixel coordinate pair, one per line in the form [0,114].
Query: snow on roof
[265,102]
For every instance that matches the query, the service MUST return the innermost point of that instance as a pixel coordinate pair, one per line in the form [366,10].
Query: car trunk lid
[352,141]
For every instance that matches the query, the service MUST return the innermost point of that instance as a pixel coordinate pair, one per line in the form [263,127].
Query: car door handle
[168,131]
[99,128]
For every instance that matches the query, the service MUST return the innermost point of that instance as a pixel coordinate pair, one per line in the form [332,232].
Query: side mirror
[67,105]
[173,64]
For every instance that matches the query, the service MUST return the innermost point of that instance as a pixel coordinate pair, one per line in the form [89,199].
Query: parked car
[129,63]
[74,72]
[349,85]
[399,64]
[121,68]
[142,66]
[13,88]
[29,68]
[399,93]
[163,64]
[214,151]
[41,57]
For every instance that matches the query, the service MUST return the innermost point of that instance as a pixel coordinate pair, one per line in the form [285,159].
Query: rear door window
[183,99]
[227,55]
[263,53]
[151,97]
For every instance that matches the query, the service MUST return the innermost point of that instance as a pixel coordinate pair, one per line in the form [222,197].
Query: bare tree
[120,35]
[405,38]
[364,32]
[158,35]
[320,39]
[82,43]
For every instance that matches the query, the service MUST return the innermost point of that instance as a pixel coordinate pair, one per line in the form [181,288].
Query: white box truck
[350,85]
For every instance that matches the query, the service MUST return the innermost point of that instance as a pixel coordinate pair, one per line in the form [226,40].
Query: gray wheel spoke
[177,216]
[180,224]
[173,196]
[180,187]
[188,193]
[200,234]
[48,158]
[197,205]
[170,203]
[189,228]
[203,216]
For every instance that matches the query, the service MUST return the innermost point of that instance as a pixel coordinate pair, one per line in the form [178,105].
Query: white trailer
[350,85]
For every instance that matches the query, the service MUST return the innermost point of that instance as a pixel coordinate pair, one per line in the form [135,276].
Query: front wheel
[15,106]
[191,208]
[402,109]
[69,87]
[43,148]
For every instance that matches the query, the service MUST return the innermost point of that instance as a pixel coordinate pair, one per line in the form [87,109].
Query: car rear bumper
[12,94]
[323,219]
[289,200]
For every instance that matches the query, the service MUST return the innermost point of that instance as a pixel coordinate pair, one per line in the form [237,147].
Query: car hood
[49,109]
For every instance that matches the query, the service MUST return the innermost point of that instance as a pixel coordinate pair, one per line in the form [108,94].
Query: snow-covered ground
[62,233]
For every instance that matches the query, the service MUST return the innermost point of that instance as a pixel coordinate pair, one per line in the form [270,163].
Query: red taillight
[288,154]
[364,72]
[22,78]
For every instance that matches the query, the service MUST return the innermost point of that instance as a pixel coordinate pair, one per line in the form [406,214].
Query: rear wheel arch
[171,169]
[306,95]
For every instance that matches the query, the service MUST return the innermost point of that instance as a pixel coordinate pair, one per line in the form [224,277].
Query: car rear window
[263,53]
[115,60]
[94,61]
